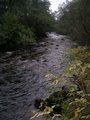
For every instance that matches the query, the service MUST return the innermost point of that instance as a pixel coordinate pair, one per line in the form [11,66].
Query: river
[24,75]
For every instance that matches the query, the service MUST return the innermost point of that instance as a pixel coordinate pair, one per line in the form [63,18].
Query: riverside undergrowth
[72,103]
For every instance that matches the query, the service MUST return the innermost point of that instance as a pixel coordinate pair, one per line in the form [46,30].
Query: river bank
[72,102]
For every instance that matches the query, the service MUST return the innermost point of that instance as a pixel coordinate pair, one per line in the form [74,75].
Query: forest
[44,60]
[74,20]
[24,22]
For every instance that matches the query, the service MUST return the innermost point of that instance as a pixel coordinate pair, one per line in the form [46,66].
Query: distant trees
[74,20]
[22,21]
[39,17]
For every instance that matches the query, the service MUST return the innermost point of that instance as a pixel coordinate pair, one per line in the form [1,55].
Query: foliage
[77,106]
[13,33]
[74,20]
[22,21]
[39,17]
[73,103]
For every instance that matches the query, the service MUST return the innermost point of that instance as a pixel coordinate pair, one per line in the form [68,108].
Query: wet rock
[37,60]
[40,104]
[57,45]
[42,43]
[45,60]
[57,109]
[56,48]
[36,54]
[24,57]
[62,38]
[9,53]
[56,99]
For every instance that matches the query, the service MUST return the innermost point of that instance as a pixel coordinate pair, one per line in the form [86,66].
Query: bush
[73,101]
[13,33]
[74,20]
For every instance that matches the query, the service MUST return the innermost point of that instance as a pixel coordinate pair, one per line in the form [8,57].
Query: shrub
[13,33]
[75,104]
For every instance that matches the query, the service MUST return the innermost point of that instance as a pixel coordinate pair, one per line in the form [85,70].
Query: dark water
[24,78]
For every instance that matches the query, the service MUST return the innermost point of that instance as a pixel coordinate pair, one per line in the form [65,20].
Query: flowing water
[24,76]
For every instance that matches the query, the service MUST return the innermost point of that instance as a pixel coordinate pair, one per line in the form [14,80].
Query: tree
[74,20]
[13,34]
[34,20]
[39,17]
